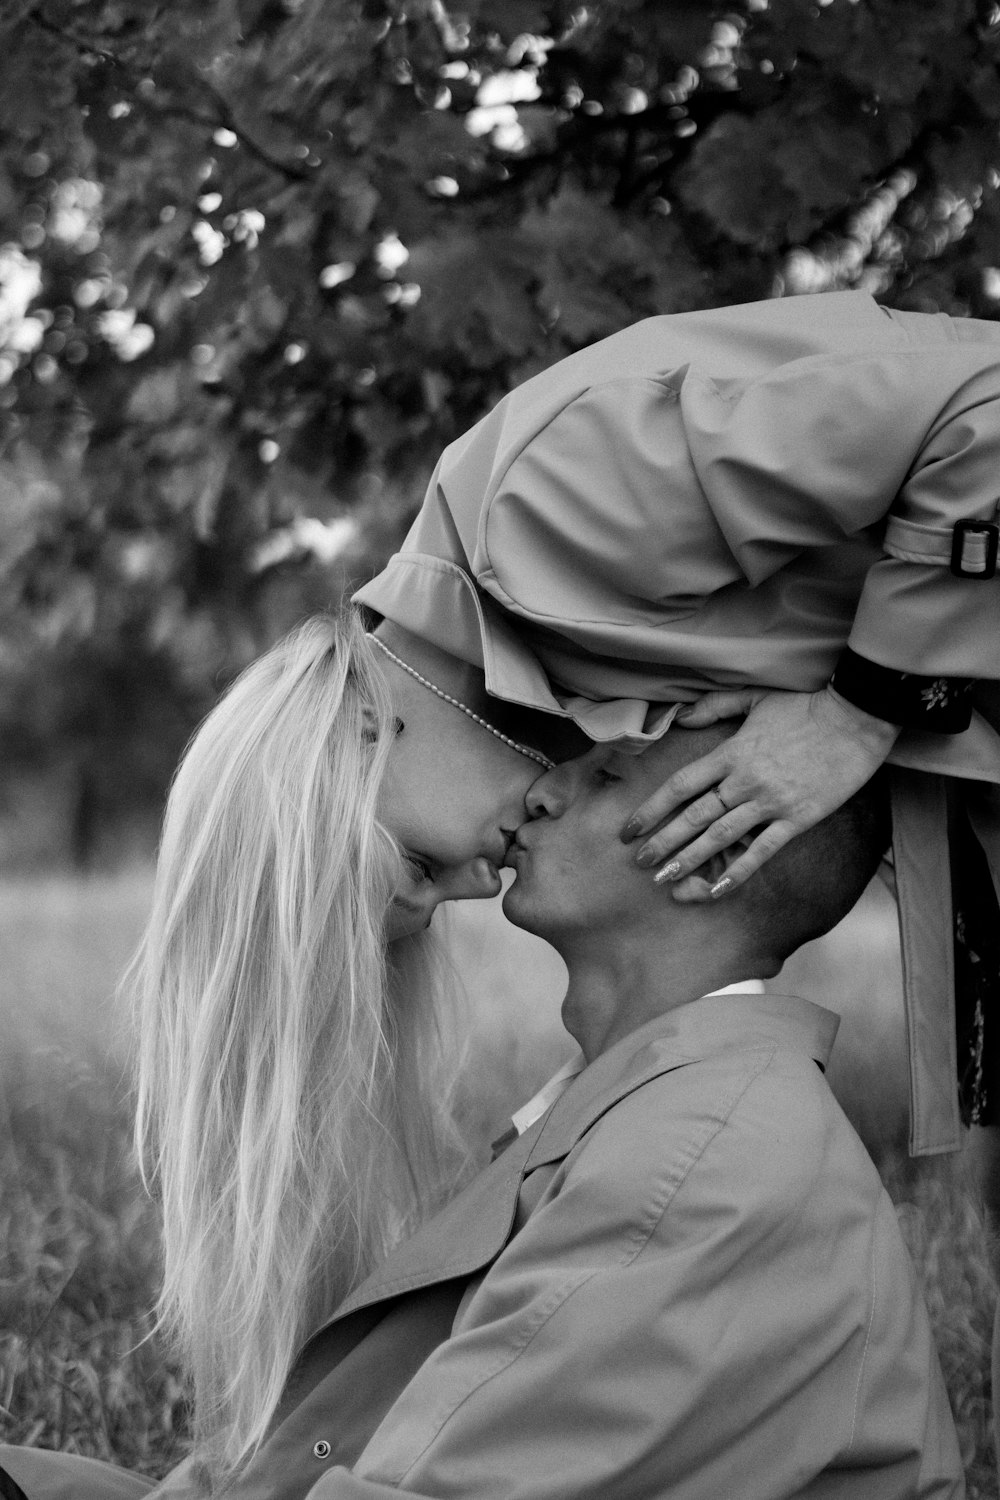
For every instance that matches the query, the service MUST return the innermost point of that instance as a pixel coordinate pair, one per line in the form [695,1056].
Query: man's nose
[547,797]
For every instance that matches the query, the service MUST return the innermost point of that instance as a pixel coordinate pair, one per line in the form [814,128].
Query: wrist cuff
[942,705]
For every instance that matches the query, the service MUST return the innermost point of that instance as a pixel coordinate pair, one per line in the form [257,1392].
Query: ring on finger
[717,792]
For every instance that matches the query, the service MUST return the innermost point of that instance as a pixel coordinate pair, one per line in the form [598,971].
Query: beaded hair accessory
[535,755]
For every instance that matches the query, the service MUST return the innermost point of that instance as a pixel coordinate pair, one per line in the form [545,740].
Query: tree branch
[225,116]
[626,172]
[223,119]
[227,119]
[83,47]
[579,129]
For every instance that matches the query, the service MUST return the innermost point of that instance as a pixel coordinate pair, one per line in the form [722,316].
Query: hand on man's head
[796,758]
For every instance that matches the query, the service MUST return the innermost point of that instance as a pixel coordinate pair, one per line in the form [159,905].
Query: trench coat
[734,497]
[685,1281]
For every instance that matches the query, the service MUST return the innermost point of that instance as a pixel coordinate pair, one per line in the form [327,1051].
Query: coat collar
[701,1028]
[438,601]
[442,602]
[474,1227]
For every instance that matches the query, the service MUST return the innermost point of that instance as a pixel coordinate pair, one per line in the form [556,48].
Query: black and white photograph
[499,749]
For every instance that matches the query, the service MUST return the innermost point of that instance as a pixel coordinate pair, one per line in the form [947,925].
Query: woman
[295,1056]
[728,498]
[788,508]
[293,1068]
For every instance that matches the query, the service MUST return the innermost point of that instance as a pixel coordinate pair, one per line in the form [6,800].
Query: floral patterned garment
[942,705]
[977,976]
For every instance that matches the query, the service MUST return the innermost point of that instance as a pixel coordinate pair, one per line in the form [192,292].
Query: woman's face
[453,796]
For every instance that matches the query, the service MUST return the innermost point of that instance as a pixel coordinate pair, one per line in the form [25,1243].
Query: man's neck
[615,989]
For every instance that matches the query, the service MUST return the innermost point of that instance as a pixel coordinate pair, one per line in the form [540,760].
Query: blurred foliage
[260,260]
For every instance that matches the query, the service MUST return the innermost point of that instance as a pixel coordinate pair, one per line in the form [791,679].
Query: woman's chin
[516,904]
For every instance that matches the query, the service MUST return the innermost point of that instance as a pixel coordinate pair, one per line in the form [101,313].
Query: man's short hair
[811,884]
[815,880]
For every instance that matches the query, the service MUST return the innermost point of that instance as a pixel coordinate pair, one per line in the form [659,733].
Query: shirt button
[322,1449]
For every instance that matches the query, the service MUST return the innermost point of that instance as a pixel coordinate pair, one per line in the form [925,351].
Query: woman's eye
[420,868]
[605,777]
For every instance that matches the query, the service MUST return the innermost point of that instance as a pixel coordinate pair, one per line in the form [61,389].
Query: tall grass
[78,1269]
[79,1242]
[943,1225]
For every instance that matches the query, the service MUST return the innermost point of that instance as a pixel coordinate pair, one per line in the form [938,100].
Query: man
[684,1279]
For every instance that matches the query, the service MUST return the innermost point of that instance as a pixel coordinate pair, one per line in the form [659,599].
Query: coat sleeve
[904,442]
[691,1310]
[634,514]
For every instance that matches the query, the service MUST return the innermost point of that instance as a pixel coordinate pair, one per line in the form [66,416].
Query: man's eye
[606,777]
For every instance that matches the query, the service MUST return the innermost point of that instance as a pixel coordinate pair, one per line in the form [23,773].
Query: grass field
[79,1241]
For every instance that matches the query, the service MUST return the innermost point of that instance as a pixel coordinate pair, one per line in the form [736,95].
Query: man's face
[573,872]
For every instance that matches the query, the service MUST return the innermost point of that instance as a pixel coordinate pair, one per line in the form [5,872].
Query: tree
[265,258]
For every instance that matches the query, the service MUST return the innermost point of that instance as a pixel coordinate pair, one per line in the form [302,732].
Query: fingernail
[721,886]
[669,872]
[630,831]
[685,712]
[646,857]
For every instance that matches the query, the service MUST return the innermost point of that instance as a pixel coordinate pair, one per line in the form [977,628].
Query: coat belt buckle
[974,547]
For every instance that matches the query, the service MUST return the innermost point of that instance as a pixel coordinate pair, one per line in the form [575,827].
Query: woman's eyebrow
[621,760]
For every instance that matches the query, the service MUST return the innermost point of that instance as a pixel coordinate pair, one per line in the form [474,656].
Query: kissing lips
[515,853]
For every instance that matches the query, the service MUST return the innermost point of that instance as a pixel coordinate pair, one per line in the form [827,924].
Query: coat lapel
[466,1235]
[473,1228]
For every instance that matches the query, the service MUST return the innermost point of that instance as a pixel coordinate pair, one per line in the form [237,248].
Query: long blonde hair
[291,1111]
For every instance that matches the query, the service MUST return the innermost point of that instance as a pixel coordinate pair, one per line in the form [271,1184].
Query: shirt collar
[523,1118]
[710,1026]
